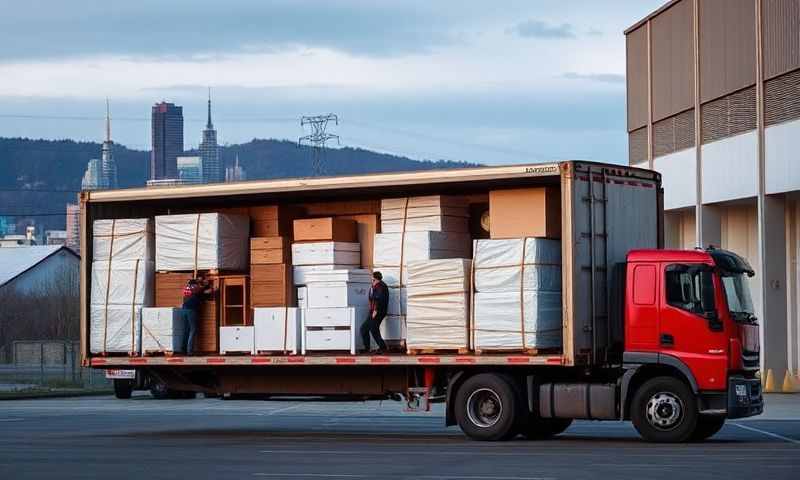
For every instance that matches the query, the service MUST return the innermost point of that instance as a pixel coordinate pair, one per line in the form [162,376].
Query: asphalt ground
[143,438]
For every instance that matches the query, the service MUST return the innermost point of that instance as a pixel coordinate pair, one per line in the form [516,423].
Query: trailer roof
[326,183]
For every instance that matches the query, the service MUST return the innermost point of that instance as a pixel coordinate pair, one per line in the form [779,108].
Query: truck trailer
[664,338]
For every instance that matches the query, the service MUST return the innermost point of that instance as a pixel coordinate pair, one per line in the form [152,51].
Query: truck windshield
[737,292]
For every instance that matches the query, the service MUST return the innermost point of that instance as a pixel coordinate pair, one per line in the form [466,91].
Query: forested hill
[53,166]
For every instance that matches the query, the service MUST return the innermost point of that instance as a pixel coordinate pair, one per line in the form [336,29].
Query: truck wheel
[707,426]
[542,428]
[123,389]
[487,407]
[664,410]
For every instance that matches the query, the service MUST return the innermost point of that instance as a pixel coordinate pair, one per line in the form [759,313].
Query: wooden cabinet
[234,304]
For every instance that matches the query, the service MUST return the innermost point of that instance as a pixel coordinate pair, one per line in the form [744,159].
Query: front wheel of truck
[664,410]
[123,389]
[487,407]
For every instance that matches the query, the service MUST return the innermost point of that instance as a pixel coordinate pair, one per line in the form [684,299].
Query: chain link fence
[47,365]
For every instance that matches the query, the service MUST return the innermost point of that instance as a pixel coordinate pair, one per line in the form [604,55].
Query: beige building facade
[713,104]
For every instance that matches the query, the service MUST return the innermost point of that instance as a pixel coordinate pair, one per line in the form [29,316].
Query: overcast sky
[490,81]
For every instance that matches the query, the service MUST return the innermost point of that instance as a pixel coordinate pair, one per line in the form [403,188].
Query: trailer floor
[142,438]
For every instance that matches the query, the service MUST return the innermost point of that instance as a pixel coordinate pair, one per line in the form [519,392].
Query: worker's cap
[377,275]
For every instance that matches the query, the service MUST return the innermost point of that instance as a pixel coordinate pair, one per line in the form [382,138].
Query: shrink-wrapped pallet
[122,239]
[438,305]
[164,330]
[391,248]
[277,330]
[202,241]
[517,300]
[115,329]
[429,213]
[119,289]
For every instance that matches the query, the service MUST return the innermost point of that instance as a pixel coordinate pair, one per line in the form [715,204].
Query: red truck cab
[691,313]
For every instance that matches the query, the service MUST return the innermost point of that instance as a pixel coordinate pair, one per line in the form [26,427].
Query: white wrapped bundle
[202,241]
[500,264]
[300,272]
[122,239]
[438,304]
[498,324]
[115,328]
[122,282]
[327,253]
[163,330]
[339,275]
[277,329]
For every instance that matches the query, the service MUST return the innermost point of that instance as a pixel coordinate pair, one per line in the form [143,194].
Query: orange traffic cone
[789,385]
[769,384]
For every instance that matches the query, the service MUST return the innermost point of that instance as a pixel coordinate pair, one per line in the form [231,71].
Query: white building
[190,169]
[29,270]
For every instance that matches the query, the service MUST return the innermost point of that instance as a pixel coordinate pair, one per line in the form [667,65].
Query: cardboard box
[328,229]
[367,225]
[271,285]
[267,250]
[525,212]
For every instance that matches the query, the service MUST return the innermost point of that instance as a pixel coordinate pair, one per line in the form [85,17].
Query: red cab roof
[654,255]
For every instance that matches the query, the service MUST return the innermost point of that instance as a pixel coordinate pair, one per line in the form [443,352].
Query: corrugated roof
[16,260]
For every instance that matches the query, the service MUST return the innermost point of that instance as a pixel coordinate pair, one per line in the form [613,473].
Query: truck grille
[750,360]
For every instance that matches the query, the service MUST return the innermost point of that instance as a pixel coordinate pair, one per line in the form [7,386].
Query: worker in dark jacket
[196,291]
[378,306]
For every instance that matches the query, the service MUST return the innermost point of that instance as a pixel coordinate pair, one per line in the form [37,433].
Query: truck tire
[707,427]
[541,428]
[123,389]
[488,407]
[664,410]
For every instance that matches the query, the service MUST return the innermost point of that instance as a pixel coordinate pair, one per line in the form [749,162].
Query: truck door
[690,327]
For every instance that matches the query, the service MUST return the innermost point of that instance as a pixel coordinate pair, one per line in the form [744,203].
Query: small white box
[236,339]
[337,294]
[277,329]
[164,329]
[326,253]
[332,328]
[300,272]
[351,275]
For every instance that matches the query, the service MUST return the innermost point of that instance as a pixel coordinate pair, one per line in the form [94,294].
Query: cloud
[595,77]
[539,29]
[594,32]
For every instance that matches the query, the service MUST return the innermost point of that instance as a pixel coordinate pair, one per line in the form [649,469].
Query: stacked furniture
[322,244]
[416,229]
[122,283]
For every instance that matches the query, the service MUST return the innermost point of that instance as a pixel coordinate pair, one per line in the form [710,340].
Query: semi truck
[666,339]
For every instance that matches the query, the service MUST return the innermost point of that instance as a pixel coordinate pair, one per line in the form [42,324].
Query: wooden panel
[271,286]
[265,250]
[233,300]
[637,146]
[727,47]
[334,209]
[367,228]
[273,220]
[781,20]
[673,60]
[636,77]
[169,293]
[782,98]
[325,230]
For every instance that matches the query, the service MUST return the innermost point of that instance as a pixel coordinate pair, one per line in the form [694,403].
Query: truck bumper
[744,397]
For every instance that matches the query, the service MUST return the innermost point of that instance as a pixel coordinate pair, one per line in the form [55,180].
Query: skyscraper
[108,166]
[74,227]
[190,169]
[209,151]
[167,132]
[93,176]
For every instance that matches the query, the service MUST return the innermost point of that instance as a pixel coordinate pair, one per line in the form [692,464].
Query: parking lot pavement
[210,438]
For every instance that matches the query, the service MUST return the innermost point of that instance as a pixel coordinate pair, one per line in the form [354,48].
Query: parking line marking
[769,434]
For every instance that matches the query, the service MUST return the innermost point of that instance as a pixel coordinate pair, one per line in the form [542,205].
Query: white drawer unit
[326,253]
[332,329]
[237,340]
[277,330]
[337,294]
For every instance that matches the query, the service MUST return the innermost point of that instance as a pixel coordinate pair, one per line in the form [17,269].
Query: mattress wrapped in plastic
[498,320]
[517,302]
[438,304]
[123,239]
[202,241]
[163,330]
[415,246]
[115,329]
[122,282]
